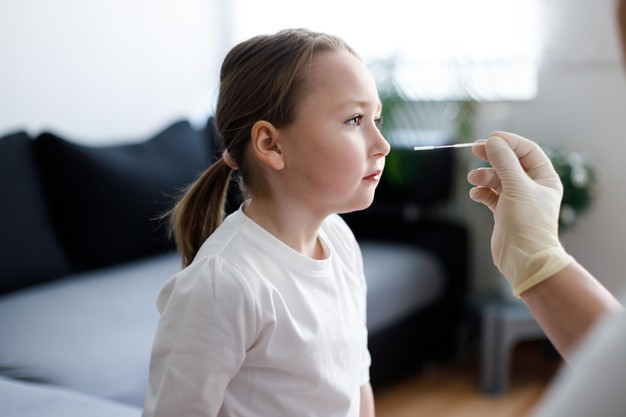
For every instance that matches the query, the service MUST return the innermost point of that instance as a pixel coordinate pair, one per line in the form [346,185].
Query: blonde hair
[262,78]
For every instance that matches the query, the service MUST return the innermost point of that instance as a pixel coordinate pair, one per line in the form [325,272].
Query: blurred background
[115,71]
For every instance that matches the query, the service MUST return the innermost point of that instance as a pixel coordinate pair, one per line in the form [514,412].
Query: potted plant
[579,183]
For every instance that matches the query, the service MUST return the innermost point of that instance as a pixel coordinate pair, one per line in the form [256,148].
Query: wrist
[540,267]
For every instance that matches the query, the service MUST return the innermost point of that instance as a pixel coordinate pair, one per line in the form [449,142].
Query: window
[440,49]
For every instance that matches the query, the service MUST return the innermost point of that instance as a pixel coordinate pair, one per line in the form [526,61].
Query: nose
[380,147]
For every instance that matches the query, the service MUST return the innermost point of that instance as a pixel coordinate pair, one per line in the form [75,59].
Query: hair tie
[228,160]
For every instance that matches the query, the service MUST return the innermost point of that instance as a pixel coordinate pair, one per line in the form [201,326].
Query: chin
[358,206]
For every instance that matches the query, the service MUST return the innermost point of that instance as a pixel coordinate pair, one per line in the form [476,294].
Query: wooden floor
[452,391]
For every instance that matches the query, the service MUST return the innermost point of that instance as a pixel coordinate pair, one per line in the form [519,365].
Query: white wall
[581,103]
[102,71]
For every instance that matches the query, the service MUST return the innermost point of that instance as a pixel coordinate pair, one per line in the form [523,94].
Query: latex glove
[524,193]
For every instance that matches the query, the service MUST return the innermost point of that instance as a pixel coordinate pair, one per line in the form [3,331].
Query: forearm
[568,304]
[367,401]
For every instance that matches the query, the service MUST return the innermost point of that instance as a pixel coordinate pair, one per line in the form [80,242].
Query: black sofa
[83,255]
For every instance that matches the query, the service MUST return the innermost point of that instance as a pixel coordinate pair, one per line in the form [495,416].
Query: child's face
[334,151]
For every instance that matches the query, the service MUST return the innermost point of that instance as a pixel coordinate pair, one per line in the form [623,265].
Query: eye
[355,120]
[379,122]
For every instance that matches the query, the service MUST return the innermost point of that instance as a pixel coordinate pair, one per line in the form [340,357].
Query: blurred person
[584,321]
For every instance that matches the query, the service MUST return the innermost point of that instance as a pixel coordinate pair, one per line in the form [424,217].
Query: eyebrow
[363,103]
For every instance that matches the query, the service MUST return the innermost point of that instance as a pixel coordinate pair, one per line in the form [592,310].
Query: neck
[296,227]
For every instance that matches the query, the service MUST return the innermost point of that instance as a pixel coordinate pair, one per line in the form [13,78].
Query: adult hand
[524,192]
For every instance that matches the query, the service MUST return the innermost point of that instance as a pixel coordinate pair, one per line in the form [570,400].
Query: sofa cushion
[91,332]
[29,250]
[401,280]
[24,399]
[106,201]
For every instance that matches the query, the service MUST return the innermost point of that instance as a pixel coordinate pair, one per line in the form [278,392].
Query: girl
[268,316]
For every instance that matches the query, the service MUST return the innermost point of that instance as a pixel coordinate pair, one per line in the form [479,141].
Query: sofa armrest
[26,399]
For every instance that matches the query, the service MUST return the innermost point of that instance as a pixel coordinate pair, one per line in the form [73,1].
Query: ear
[265,144]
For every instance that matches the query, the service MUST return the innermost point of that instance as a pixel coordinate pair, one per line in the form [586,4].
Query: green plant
[401,115]
[400,166]
[579,183]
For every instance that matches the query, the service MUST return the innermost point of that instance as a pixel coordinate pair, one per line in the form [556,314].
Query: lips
[375,176]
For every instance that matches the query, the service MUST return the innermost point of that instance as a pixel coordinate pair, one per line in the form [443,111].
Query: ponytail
[200,210]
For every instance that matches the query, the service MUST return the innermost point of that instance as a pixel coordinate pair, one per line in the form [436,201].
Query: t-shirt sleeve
[207,323]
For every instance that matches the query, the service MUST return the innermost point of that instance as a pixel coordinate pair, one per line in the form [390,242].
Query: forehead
[337,78]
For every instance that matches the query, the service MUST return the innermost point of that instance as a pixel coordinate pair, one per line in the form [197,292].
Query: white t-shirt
[594,382]
[254,328]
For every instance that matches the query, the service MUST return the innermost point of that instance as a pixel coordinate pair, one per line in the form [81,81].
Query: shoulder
[224,237]
[209,306]
[211,280]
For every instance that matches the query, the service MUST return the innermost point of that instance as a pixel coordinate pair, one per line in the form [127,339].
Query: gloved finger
[504,161]
[479,151]
[531,157]
[484,177]
[486,196]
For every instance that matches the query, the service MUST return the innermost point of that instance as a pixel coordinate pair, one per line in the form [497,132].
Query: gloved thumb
[503,160]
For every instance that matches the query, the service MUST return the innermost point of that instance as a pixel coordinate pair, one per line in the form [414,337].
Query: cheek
[339,173]
[332,163]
